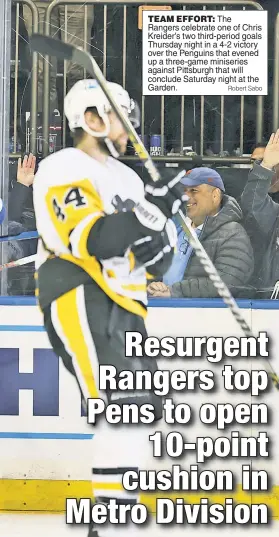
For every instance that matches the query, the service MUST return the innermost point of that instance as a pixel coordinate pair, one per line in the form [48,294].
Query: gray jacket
[262,224]
[228,246]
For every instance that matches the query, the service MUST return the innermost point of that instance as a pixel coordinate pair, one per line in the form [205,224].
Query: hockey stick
[19,262]
[63,51]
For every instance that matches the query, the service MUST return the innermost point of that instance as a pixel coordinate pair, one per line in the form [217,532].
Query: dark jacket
[262,224]
[20,279]
[228,246]
[21,207]
[21,218]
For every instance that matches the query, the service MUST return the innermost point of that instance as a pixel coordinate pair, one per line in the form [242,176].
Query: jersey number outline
[74,197]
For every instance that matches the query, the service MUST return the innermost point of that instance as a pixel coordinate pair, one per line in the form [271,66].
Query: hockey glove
[155,253]
[167,194]
[162,200]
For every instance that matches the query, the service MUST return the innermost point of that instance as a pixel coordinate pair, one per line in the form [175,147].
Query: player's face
[117,134]
[204,200]
[257,154]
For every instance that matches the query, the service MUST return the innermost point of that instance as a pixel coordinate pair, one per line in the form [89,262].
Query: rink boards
[46,444]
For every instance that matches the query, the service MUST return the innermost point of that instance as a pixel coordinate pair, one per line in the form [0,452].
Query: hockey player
[101,233]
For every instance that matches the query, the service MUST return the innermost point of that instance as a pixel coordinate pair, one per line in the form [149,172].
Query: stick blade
[63,51]
[51,47]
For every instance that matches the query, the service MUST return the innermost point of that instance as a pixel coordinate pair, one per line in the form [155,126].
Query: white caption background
[205,53]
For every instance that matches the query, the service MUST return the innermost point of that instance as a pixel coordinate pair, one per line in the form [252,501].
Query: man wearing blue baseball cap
[199,176]
[216,219]
[203,201]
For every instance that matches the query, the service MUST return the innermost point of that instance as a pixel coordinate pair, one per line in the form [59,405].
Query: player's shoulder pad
[127,173]
[66,166]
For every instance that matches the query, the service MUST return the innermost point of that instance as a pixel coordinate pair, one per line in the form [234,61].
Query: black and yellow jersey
[77,200]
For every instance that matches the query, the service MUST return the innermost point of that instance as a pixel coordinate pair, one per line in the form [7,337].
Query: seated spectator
[21,195]
[258,152]
[20,279]
[22,218]
[257,156]
[261,216]
[216,219]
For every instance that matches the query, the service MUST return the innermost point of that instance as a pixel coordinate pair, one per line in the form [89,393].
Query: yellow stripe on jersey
[71,203]
[132,260]
[93,268]
[73,335]
[80,248]
[134,287]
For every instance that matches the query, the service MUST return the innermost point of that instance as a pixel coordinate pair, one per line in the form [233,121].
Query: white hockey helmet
[87,94]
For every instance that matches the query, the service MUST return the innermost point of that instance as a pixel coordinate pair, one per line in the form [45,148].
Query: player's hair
[263,143]
[79,133]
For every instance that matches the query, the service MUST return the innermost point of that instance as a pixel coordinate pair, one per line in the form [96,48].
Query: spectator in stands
[216,219]
[22,218]
[262,215]
[21,195]
[257,156]
[78,32]
[258,152]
